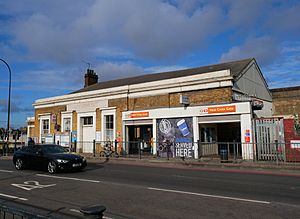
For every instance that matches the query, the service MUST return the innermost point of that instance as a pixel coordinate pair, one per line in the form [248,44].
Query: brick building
[286,104]
[286,101]
[214,103]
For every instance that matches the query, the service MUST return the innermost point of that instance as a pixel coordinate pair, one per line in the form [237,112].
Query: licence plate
[77,165]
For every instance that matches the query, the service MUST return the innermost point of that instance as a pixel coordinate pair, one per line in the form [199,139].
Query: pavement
[205,164]
[212,164]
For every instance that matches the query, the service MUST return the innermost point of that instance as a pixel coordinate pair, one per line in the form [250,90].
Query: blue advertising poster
[74,136]
[175,136]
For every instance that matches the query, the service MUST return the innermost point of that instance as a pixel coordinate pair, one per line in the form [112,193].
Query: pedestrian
[30,141]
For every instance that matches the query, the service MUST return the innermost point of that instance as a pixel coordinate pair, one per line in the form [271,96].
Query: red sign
[247,136]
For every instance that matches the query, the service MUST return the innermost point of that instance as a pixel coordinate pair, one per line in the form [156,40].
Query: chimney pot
[90,78]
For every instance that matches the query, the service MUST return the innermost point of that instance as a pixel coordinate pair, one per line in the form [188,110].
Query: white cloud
[284,72]
[152,29]
[50,81]
[263,49]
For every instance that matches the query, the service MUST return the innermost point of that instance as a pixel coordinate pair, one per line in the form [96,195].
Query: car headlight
[62,161]
[83,159]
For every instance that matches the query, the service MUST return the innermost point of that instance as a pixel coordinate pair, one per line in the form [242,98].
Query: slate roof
[236,67]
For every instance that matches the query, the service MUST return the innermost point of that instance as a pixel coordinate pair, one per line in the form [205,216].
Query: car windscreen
[53,149]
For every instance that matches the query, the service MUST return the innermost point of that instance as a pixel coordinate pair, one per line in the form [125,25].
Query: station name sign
[218,109]
[138,115]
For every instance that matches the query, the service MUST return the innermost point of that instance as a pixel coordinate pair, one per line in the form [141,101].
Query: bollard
[199,149]
[93,211]
[234,151]
[140,150]
[168,149]
[94,147]
[276,151]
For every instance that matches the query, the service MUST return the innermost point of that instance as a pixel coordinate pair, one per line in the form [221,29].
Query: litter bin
[223,154]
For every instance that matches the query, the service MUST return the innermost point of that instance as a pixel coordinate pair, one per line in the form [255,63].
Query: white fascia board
[82,95]
[122,91]
[182,81]
[30,119]
[181,89]
[79,101]
[67,112]
[174,112]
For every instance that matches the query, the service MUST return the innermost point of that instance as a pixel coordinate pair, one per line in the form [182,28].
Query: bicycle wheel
[102,154]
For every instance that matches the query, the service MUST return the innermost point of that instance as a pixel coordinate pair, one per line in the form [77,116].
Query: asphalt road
[132,191]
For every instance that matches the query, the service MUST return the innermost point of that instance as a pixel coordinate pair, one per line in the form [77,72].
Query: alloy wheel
[51,167]
[19,164]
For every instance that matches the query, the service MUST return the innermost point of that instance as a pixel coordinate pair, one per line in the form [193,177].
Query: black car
[52,157]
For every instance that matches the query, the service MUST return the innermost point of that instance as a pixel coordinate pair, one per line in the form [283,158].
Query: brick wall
[290,134]
[74,121]
[121,105]
[286,101]
[31,132]
[98,120]
[52,110]
[217,95]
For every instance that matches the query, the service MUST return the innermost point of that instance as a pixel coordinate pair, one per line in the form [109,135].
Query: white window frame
[65,115]
[103,124]
[42,118]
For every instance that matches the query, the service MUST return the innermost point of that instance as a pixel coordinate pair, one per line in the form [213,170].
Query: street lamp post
[8,107]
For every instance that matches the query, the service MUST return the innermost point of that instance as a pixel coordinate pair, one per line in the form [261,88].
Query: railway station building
[181,109]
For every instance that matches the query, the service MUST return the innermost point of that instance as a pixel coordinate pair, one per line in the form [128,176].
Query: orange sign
[139,115]
[221,109]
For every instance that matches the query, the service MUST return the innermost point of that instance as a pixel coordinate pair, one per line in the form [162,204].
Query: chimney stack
[90,78]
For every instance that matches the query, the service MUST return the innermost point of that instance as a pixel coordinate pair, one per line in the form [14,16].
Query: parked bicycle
[108,151]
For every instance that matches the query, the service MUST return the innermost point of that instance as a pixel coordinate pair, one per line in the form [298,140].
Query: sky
[50,44]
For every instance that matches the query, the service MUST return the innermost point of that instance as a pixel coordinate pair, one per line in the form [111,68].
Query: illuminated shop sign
[218,109]
[138,115]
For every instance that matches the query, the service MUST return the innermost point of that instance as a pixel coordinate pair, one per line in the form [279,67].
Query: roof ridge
[170,74]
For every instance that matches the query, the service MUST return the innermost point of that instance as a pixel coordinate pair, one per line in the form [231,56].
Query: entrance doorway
[220,136]
[139,138]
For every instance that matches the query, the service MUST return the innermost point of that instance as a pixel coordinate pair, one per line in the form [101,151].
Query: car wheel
[19,164]
[52,167]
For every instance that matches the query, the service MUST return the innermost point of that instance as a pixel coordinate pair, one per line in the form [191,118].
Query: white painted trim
[107,113]
[241,108]
[79,129]
[65,115]
[108,108]
[28,130]
[200,81]
[67,112]
[219,121]
[41,118]
[44,114]
[195,136]
[154,137]
[30,119]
